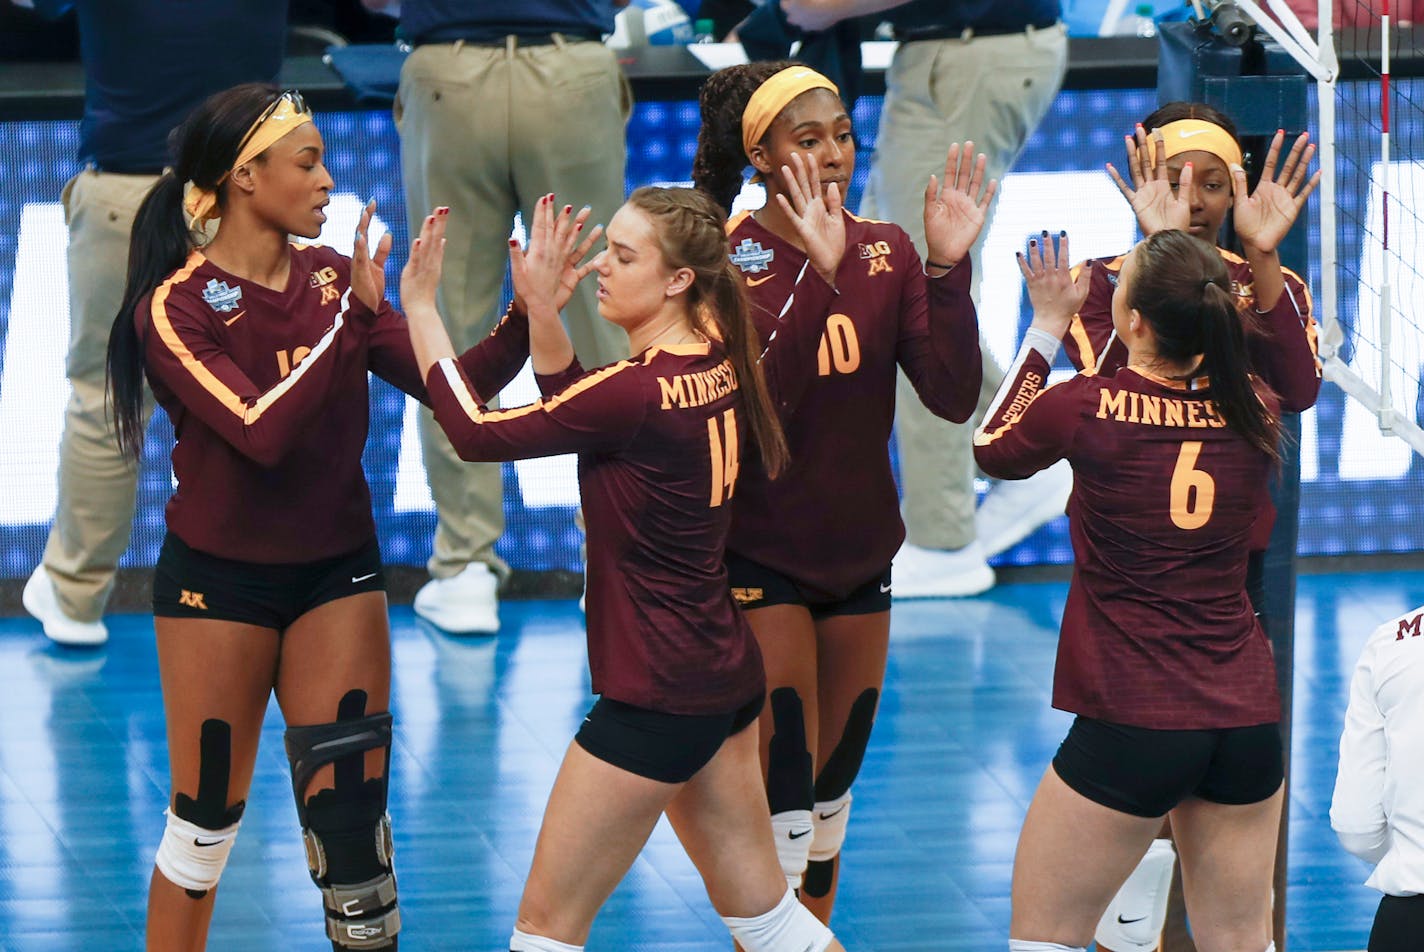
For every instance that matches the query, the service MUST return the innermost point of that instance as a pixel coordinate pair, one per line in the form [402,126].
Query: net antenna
[1372,328]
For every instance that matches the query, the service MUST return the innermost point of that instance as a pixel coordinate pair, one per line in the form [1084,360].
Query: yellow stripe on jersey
[1028,391]
[209,381]
[465,397]
[736,220]
[867,221]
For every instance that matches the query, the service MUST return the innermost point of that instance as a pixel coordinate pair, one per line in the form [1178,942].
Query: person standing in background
[986,71]
[1378,806]
[145,68]
[500,103]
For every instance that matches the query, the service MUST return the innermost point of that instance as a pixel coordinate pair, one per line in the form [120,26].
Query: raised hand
[420,278]
[955,209]
[368,273]
[1054,294]
[1155,203]
[815,212]
[546,272]
[1264,216]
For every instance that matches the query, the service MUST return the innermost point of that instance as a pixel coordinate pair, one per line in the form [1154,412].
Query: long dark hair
[717,167]
[1182,289]
[692,234]
[203,148]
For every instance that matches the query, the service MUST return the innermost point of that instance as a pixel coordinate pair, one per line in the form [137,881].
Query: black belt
[967,32]
[113,170]
[520,39]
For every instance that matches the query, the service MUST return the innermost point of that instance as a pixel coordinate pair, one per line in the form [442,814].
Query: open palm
[1263,217]
[1157,205]
[956,208]
[815,213]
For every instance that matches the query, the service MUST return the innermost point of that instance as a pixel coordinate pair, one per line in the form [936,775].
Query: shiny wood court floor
[964,733]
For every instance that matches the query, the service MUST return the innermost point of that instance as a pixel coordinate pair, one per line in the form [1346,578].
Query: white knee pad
[1024,945]
[1134,919]
[193,857]
[831,817]
[524,942]
[794,832]
[788,927]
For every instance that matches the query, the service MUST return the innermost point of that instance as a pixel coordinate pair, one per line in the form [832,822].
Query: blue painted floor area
[964,733]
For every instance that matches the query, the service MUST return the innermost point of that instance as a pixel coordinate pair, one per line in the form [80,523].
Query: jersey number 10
[1193,490]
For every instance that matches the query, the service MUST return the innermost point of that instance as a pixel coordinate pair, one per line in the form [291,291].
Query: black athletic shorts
[756,586]
[192,584]
[669,748]
[1147,772]
[1399,925]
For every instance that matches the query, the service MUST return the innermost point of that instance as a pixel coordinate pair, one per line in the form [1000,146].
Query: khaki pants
[993,90]
[94,513]
[487,131]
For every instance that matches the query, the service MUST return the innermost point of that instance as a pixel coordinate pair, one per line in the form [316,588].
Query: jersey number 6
[726,456]
[1191,511]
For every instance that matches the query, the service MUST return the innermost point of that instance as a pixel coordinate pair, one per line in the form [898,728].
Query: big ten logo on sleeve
[324,280]
[840,348]
[877,253]
[726,455]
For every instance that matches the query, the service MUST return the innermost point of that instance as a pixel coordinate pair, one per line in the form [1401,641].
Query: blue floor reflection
[964,733]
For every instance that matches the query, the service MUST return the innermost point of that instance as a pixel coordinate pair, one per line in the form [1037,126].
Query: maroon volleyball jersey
[832,521]
[1284,349]
[660,440]
[1157,631]
[267,391]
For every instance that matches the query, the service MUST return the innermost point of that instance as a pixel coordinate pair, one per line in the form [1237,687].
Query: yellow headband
[773,96]
[1198,135]
[202,203]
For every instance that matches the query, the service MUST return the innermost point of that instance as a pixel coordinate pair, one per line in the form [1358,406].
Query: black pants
[1399,925]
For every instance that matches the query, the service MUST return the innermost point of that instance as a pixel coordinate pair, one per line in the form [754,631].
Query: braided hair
[717,168]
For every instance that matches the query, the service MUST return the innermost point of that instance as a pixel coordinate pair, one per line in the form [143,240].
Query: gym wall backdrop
[1362,502]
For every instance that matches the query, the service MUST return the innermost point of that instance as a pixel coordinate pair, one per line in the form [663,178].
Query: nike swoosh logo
[827,816]
[197,841]
[234,320]
[1187,135]
[884,588]
[362,578]
[753,282]
[1122,921]
[793,835]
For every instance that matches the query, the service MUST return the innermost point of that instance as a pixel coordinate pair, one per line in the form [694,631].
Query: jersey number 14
[726,455]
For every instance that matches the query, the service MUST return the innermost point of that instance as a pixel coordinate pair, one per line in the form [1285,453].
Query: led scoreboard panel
[1361,491]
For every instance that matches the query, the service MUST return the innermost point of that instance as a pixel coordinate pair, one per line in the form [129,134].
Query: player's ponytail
[204,148]
[692,234]
[717,167]
[1182,289]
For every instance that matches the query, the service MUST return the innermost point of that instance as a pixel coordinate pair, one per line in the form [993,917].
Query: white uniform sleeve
[1357,811]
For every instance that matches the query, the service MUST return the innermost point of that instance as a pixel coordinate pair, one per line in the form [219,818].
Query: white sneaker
[40,601]
[940,573]
[1016,507]
[463,604]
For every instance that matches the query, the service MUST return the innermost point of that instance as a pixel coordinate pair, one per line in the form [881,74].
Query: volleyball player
[270,575]
[1199,137]
[809,554]
[1160,655]
[661,439]
[1378,806]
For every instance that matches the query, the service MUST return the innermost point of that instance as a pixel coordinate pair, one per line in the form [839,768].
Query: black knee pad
[790,769]
[345,829]
[840,769]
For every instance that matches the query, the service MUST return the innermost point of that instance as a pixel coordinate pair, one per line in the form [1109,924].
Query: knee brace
[524,942]
[789,789]
[788,927]
[346,830]
[201,830]
[832,810]
[1134,919]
